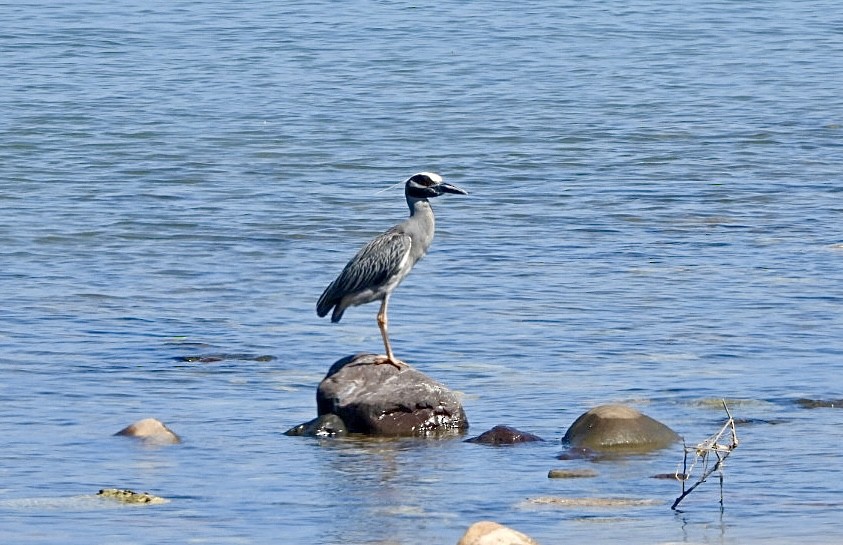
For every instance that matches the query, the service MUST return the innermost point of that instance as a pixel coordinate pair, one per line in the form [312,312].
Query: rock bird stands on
[382,264]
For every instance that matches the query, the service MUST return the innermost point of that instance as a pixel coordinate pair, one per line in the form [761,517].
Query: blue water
[654,220]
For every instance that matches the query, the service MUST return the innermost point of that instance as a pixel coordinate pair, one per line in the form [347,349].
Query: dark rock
[618,428]
[758,421]
[327,425]
[377,398]
[670,476]
[504,435]
[806,403]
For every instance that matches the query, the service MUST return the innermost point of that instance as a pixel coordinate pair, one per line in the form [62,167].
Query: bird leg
[382,325]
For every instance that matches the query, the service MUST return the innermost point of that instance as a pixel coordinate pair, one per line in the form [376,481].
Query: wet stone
[806,403]
[504,435]
[618,428]
[327,425]
[571,473]
[376,398]
[128,496]
[670,476]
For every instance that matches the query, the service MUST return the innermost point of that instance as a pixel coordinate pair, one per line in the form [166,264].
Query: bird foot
[395,362]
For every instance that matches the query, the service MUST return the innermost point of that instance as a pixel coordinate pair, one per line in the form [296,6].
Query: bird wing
[371,268]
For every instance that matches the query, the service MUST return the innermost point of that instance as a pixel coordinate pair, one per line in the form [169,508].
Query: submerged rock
[376,398]
[128,496]
[618,428]
[215,358]
[571,473]
[150,430]
[504,435]
[327,425]
[590,502]
[806,403]
[487,532]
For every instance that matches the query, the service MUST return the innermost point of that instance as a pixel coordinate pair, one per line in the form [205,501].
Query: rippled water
[654,220]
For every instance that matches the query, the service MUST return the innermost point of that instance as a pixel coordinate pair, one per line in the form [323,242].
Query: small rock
[618,428]
[150,430]
[670,476]
[377,398]
[491,533]
[327,425]
[128,496]
[571,473]
[504,435]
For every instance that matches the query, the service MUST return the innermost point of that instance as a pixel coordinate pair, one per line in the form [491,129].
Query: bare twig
[702,452]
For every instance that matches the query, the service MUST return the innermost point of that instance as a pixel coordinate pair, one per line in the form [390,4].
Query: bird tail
[337,315]
[323,307]
[326,303]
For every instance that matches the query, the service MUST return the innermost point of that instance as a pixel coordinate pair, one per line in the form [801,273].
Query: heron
[380,266]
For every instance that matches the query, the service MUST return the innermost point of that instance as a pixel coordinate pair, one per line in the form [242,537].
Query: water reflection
[389,481]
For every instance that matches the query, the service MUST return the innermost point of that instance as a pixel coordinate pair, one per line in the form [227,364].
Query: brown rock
[376,398]
[491,533]
[618,428]
[504,435]
[151,430]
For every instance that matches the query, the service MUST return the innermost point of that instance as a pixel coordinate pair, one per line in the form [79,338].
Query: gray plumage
[367,274]
[381,265]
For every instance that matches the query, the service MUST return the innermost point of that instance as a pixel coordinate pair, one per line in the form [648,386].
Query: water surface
[654,220]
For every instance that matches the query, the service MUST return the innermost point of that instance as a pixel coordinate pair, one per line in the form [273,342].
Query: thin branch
[702,451]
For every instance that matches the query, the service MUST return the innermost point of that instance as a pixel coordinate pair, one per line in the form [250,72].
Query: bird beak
[448,188]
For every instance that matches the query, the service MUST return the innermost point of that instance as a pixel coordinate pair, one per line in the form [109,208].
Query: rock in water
[151,430]
[379,399]
[504,435]
[128,496]
[327,425]
[487,532]
[618,428]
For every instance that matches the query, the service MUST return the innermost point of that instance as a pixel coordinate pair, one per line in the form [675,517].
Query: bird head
[426,185]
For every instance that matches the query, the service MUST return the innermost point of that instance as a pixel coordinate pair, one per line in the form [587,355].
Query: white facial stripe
[432,175]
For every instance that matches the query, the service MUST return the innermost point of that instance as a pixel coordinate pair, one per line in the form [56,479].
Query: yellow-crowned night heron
[382,264]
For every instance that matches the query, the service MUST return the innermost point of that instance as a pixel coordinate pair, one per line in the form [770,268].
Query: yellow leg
[382,325]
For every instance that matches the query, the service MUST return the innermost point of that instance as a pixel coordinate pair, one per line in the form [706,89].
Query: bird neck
[420,225]
[421,213]
[419,206]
